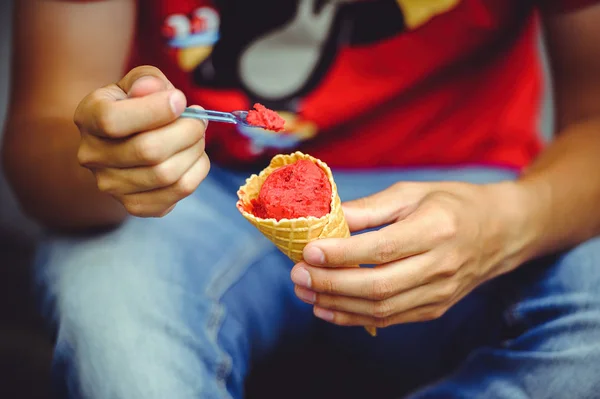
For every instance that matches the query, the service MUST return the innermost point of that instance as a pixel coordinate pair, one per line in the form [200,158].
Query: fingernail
[177,102]
[324,314]
[301,277]
[314,255]
[306,295]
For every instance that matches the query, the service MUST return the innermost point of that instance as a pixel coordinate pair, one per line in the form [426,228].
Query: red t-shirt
[361,83]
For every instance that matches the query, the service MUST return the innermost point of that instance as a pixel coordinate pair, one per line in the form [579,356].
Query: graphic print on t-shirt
[278,52]
[193,35]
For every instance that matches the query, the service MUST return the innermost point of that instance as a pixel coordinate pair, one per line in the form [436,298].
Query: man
[487,269]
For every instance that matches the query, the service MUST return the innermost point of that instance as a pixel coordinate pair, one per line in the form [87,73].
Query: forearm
[51,186]
[559,194]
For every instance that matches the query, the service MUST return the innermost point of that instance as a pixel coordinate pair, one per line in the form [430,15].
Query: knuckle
[79,117]
[382,309]
[205,161]
[433,313]
[94,100]
[448,269]
[134,207]
[328,286]
[386,250]
[439,312]
[105,184]
[106,123]
[84,155]
[198,138]
[185,186]
[86,112]
[381,289]
[452,290]
[148,150]
[446,292]
[166,211]
[341,256]
[446,224]
[165,174]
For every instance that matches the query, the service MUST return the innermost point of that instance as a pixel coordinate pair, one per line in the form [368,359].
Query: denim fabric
[180,307]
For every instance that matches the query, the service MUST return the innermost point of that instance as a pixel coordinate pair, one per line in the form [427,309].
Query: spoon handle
[209,115]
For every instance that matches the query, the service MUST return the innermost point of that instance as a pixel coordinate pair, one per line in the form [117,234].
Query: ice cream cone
[292,235]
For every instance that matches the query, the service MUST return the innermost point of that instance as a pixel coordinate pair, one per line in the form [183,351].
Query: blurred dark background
[25,351]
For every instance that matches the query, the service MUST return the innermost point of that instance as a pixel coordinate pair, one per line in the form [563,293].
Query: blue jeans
[180,307]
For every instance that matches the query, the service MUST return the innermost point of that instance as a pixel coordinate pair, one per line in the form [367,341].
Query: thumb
[144,80]
[384,207]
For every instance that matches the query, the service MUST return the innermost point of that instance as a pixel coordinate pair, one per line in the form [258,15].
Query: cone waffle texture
[292,235]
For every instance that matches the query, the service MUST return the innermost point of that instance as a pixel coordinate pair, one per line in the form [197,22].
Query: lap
[138,311]
[551,343]
[534,333]
[200,291]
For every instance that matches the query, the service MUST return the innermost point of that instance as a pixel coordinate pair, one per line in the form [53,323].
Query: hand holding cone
[292,235]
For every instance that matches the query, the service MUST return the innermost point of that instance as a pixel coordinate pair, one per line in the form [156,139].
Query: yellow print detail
[418,12]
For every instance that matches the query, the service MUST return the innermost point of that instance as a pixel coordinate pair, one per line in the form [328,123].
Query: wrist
[519,213]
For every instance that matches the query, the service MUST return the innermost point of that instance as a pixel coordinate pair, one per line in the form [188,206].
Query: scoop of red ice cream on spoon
[264,117]
[261,117]
[301,189]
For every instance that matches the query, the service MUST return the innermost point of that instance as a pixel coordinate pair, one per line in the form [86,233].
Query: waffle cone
[292,235]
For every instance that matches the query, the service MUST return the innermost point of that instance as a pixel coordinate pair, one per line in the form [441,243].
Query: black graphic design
[278,51]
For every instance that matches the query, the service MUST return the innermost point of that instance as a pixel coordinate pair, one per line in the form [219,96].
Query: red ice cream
[264,117]
[301,189]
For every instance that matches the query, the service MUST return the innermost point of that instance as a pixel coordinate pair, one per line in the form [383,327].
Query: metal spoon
[235,117]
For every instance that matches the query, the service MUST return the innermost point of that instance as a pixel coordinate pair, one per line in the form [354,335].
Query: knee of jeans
[120,330]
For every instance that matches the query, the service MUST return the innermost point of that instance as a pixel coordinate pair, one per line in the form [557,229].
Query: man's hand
[440,241]
[137,147]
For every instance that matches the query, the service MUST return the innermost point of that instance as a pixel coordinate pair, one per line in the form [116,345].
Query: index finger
[396,241]
[103,114]
[377,283]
